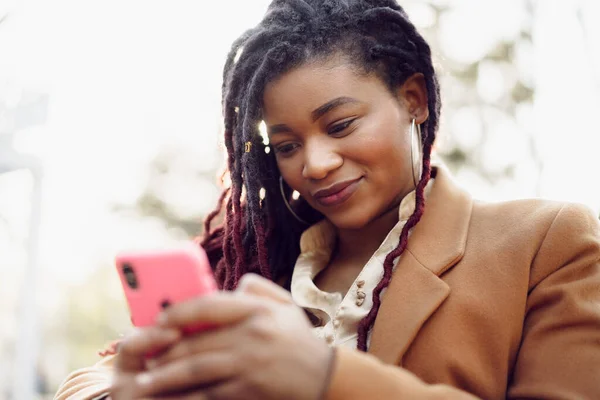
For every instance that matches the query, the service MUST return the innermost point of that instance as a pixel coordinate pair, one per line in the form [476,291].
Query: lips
[337,193]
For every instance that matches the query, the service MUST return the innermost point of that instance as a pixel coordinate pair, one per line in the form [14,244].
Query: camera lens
[130,276]
[165,304]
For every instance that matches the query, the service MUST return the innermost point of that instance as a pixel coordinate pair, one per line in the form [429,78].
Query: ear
[413,95]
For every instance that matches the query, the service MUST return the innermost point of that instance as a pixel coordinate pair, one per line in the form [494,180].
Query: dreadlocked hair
[376,37]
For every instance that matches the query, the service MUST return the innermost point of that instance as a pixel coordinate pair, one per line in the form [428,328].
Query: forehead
[307,87]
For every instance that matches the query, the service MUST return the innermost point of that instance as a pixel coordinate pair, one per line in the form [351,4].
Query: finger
[233,389]
[185,396]
[134,348]
[258,286]
[218,309]
[191,395]
[210,341]
[188,373]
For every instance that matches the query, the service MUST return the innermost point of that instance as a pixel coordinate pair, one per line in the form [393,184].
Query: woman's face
[342,139]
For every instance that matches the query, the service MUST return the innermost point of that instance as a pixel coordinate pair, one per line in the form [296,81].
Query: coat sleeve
[559,356]
[87,383]
[358,375]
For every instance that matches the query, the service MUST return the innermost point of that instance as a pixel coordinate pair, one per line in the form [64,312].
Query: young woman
[411,288]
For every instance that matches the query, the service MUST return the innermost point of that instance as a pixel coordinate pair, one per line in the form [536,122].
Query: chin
[350,220]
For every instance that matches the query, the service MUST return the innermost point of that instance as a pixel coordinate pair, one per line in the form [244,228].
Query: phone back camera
[165,304]
[130,277]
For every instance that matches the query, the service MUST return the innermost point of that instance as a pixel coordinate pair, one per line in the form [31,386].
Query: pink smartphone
[154,280]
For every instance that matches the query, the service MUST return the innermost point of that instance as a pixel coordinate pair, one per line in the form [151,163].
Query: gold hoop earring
[287,204]
[415,147]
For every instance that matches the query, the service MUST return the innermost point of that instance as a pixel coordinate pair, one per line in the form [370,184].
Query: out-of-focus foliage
[94,314]
[173,170]
[487,85]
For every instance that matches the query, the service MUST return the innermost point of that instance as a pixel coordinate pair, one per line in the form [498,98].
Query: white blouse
[341,315]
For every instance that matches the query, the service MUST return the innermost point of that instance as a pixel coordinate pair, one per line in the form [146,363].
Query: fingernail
[143,379]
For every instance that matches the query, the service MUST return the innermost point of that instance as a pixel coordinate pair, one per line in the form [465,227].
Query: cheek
[383,148]
[291,171]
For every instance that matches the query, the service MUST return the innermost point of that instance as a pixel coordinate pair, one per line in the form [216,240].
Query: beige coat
[489,300]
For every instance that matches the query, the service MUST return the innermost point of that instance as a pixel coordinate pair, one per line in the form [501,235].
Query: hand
[132,355]
[263,349]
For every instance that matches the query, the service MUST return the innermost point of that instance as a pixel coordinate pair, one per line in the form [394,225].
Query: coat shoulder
[548,233]
[534,215]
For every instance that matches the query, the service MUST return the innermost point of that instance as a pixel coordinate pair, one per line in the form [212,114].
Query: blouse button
[360,283]
[359,301]
[361,295]
[336,323]
[329,338]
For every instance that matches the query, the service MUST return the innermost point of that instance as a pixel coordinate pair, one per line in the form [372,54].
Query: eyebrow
[317,113]
[330,105]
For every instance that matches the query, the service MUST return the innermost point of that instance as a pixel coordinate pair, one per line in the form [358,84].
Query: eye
[286,149]
[339,129]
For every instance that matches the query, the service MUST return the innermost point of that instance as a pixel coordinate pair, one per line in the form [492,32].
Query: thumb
[258,286]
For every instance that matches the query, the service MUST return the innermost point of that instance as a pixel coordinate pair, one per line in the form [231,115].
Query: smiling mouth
[337,194]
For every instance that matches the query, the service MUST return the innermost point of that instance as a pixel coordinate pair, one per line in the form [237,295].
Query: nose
[320,159]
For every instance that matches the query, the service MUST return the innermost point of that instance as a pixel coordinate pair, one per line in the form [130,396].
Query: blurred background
[110,139]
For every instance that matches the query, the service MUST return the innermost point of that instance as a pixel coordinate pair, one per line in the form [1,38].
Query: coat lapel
[416,290]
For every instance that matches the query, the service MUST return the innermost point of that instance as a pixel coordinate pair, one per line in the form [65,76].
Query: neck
[360,244]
